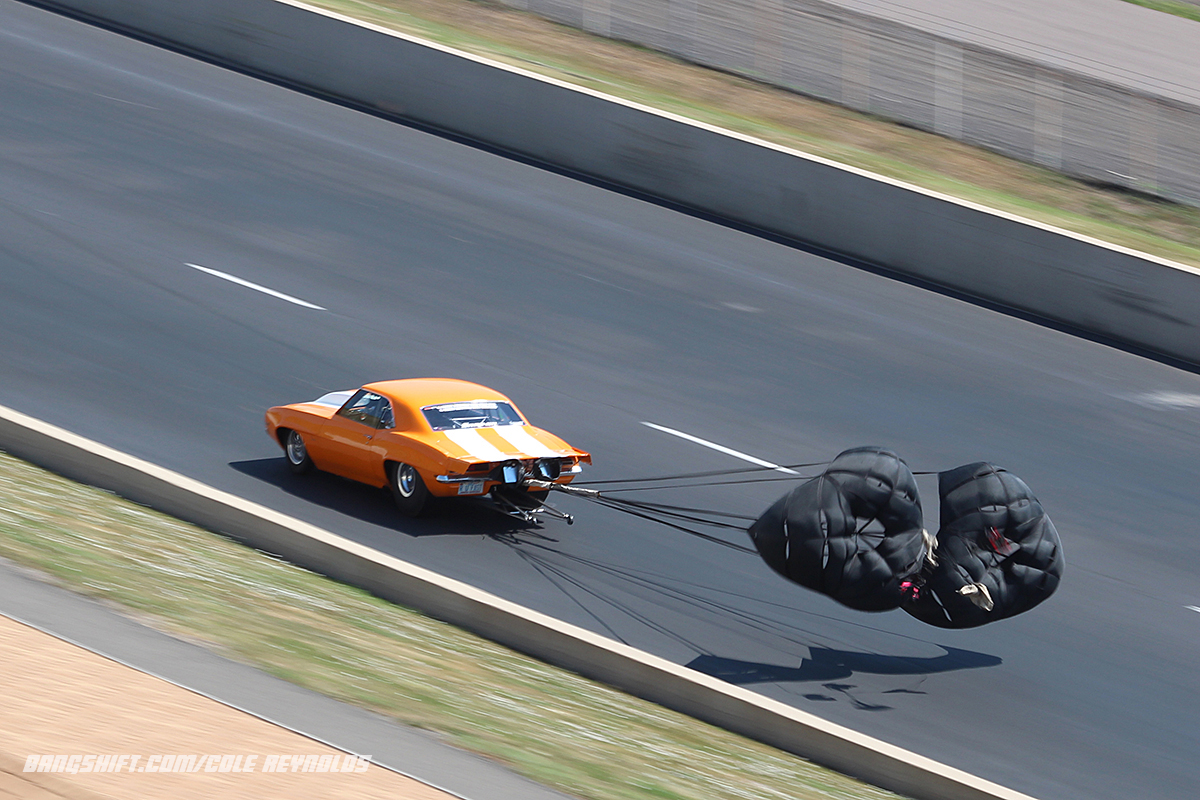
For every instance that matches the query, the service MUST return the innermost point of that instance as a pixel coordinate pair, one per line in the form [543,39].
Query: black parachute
[855,533]
[998,554]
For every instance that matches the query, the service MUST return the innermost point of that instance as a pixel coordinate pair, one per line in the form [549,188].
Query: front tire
[408,489]
[299,461]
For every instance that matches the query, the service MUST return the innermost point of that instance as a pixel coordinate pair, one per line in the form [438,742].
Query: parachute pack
[855,533]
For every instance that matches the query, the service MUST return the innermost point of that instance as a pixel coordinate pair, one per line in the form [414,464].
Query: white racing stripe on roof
[472,441]
[523,440]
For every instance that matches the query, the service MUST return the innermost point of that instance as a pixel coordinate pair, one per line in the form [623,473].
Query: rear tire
[299,461]
[408,489]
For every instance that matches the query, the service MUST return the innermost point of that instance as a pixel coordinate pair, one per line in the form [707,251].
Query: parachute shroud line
[855,533]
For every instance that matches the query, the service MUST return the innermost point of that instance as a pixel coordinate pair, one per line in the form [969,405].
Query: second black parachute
[998,554]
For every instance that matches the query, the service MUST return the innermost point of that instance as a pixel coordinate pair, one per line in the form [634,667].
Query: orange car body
[462,438]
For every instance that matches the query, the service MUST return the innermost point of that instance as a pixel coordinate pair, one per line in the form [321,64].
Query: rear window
[471,414]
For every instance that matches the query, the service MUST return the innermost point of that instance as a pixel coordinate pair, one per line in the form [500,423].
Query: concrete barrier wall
[1013,105]
[1102,289]
[556,642]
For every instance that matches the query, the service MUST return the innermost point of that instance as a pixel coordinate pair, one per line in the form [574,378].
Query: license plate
[470,487]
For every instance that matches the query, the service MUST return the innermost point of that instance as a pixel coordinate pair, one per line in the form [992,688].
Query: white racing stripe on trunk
[334,399]
[523,440]
[476,446]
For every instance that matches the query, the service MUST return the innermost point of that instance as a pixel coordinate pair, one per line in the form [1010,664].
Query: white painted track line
[720,448]
[256,287]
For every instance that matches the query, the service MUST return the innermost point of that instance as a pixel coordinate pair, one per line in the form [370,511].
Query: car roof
[420,392]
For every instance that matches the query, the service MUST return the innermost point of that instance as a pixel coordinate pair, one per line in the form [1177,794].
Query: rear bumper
[513,475]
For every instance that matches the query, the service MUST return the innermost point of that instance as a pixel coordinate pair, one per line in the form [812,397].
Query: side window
[367,408]
[387,420]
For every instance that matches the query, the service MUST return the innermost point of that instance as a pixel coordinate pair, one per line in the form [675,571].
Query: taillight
[548,469]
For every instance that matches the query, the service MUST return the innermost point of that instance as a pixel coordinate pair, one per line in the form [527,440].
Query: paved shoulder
[74,692]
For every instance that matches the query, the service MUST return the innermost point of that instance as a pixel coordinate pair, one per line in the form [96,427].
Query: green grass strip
[1185,10]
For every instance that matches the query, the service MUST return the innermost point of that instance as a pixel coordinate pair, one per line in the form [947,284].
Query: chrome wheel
[408,489]
[406,480]
[298,458]
[296,451]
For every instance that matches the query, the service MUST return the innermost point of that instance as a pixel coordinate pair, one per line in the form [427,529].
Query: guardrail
[1029,106]
[579,650]
[1106,290]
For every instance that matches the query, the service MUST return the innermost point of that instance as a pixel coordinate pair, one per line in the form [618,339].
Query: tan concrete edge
[68,701]
[232,706]
[523,629]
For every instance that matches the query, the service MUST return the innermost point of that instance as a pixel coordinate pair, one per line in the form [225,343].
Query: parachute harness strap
[931,544]
[691,476]
[671,515]
[912,585]
[661,513]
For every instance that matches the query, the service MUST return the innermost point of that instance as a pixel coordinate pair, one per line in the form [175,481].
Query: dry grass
[624,70]
[549,724]
[1180,8]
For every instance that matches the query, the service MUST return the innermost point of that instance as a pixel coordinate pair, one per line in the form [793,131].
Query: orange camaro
[426,437]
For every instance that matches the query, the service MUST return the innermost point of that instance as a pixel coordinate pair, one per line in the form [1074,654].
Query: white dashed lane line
[256,287]
[1193,608]
[720,448]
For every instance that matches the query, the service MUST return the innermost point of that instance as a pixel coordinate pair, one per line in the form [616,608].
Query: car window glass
[354,401]
[365,407]
[471,414]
